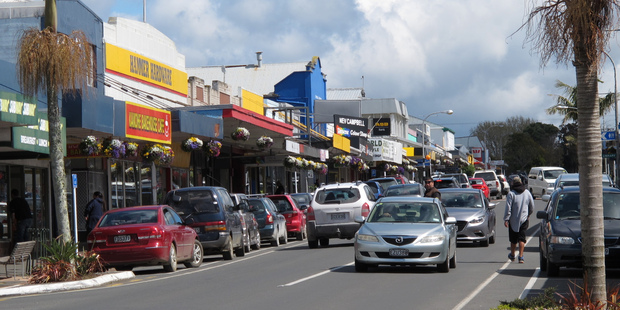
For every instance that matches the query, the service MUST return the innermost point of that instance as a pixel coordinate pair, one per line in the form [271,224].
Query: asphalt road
[293,276]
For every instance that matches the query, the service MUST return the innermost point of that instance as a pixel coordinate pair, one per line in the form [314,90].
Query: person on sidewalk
[519,207]
[22,216]
[94,211]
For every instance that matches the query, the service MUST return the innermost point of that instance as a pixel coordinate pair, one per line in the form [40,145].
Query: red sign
[477,151]
[146,123]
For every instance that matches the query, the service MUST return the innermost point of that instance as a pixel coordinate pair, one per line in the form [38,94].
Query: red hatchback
[145,235]
[295,217]
[481,184]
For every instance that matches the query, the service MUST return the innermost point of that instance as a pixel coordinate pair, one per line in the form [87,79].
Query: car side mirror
[176,198]
[359,219]
[541,215]
[303,207]
[451,220]
[492,205]
[545,198]
[463,185]
[189,221]
[236,208]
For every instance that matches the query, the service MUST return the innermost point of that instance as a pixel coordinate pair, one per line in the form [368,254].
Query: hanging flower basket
[131,149]
[387,167]
[157,153]
[290,162]
[212,148]
[409,168]
[113,148]
[90,146]
[301,163]
[264,142]
[190,144]
[240,134]
[321,168]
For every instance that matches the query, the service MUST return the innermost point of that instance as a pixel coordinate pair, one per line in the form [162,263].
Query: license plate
[399,252]
[197,229]
[339,216]
[122,238]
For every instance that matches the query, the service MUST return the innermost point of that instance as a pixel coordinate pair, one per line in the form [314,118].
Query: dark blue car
[271,224]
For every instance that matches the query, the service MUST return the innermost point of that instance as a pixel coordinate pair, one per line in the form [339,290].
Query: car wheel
[543,261]
[553,270]
[360,267]
[240,251]
[171,265]
[324,242]
[453,261]
[313,244]
[445,266]
[492,238]
[256,246]
[196,256]
[228,255]
[485,242]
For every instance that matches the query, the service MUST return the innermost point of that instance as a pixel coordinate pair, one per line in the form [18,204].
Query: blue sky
[464,55]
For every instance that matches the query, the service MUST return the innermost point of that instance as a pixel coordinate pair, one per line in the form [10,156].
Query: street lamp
[430,167]
[616,119]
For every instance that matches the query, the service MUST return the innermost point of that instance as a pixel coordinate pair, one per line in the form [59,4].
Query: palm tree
[575,31]
[570,103]
[54,62]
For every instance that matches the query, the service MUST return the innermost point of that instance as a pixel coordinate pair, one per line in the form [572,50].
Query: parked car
[492,181]
[251,233]
[333,210]
[475,215]
[376,188]
[572,179]
[460,177]
[481,184]
[401,179]
[213,215]
[405,230]
[145,235]
[541,179]
[505,186]
[446,182]
[385,182]
[302,199]
[295,215]
[560,230]
[410,189]
[271,223]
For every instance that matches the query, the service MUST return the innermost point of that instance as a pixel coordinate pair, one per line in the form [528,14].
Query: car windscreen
[258,205]
[568,206]
[405,212]
[461,200]
[403,191]
[301,199]
[487,176]
[129,217]
[439,183]
[338,195]
[553,174]
[282,204]
[194,202]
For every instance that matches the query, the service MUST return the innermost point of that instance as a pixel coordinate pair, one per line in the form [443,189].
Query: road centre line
[482,285]
[316,275]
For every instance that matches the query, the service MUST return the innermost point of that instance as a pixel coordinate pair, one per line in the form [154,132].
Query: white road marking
[482,285]
[530,284]
[316,275]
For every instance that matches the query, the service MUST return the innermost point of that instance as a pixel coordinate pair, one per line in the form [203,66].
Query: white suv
[333,210]
[490,177]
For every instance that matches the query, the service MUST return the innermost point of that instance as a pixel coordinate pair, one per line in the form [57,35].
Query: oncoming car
[406,230]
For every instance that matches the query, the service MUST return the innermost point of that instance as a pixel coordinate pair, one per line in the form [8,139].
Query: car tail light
[219,225]
[154,234]
[497,184]
[365,209]
[269,219]
[310,214]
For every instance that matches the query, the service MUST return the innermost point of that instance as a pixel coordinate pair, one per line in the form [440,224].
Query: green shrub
[542,301]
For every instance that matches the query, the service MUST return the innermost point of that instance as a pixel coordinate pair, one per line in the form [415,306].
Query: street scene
[339,154]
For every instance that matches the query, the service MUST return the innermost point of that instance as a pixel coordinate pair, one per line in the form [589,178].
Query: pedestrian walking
[21,214]
[93,211]
[519,207]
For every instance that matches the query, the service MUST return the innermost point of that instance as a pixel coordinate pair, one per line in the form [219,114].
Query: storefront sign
[146,123]
[13,108]
[292,147]
[123,62]
[381,126]
[252,102]
[386,150]
[477,151]
[352,128]
[35,138]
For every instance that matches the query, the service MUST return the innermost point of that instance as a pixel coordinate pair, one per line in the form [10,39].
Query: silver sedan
[475,215]
[406,230]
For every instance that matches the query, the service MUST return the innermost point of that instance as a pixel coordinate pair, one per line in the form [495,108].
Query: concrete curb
[66,286]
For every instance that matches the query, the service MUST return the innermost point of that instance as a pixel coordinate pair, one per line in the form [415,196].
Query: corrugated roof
[259,80]
[345,93]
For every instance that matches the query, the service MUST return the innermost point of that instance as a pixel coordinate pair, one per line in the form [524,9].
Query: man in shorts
[519,207]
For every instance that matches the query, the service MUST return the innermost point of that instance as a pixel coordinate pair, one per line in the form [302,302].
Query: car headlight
[477,220]
[550,184]
[432,239]
[562,240]
[369,238]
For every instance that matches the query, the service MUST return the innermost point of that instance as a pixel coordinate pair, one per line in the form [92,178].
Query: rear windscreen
[338,195]
[129,217]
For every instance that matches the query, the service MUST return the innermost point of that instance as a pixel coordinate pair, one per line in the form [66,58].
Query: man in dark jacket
[431,191]
[94,211]
[22,216]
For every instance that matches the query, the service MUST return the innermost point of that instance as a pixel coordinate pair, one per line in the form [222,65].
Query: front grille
[411,255]
[460,225]
[403,240]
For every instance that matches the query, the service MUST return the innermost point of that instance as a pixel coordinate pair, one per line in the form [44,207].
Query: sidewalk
[19,286]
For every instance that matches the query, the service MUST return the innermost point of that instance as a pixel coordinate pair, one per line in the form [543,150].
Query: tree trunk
[590,170]
[57,163]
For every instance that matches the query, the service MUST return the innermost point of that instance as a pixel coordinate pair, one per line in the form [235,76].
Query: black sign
[352,128]
[381,126]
